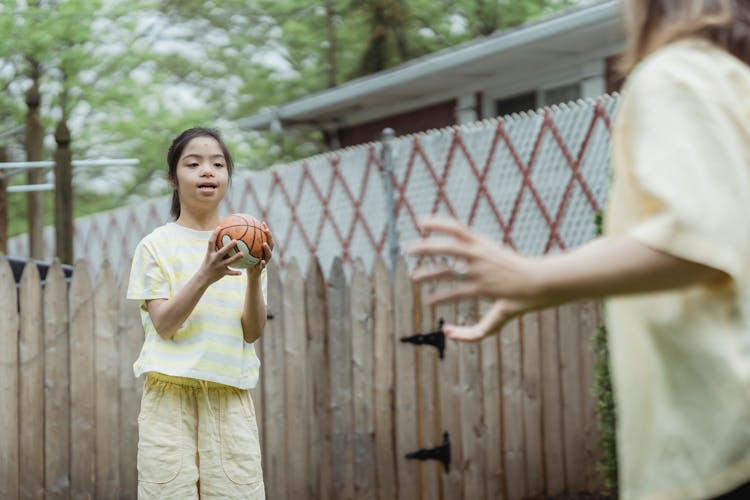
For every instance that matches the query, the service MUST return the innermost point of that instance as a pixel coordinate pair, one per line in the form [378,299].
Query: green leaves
[130,74]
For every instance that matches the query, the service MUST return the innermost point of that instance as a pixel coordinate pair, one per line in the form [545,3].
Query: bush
[605,402]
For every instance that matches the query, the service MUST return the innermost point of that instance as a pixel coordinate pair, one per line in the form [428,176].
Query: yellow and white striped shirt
[209,345]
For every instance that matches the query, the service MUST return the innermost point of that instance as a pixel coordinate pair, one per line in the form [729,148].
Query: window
[537,98]
[563,93]
[515,104]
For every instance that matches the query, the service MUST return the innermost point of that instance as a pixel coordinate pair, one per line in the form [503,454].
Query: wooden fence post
[473,428]
[406,423]
[82,386]
[492,411]
[106,384]
[341,403]
[449,393]
[385,444]
[31,384]
[318,384]
[531,394]
[272,378]
[130,340]
[9,451]
[427,416]
[56,384]
[295,367]
[362,382]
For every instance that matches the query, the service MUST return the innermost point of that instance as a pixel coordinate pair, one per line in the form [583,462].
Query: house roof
[550,41]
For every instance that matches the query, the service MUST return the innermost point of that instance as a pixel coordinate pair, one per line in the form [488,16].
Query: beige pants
[197,439]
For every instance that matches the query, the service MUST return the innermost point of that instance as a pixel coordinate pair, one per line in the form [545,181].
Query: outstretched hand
[483,268]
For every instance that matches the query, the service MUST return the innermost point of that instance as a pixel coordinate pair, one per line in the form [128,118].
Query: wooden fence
[341,399]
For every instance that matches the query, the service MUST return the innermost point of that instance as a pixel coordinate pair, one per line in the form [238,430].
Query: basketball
[246,230]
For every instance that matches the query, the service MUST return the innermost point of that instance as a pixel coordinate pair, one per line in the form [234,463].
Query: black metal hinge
[441,453]
[436,338]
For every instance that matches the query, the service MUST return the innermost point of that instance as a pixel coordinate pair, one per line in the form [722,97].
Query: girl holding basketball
[675,256]
[198,435]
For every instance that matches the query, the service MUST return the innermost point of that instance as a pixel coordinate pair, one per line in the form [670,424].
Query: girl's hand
[216,263]
[492,322]
[254,272]
[483,268]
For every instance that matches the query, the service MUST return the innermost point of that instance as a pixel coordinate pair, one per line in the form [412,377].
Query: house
[561,58]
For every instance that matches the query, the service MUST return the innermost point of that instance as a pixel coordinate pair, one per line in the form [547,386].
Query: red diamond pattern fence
[533,180]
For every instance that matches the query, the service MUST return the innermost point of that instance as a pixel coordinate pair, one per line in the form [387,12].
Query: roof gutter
[433,63]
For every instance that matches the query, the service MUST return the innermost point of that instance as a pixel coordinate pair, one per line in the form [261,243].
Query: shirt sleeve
[147,278]
[689,154]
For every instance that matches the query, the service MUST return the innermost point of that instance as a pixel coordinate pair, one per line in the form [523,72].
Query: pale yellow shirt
[681,359]
[209,345]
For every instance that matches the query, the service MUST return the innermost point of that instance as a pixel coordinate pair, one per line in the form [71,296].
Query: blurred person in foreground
[674,260]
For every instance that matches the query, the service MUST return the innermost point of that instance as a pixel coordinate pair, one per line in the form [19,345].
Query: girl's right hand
[216,263]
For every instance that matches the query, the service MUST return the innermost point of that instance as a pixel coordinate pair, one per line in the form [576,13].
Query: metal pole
[387,171]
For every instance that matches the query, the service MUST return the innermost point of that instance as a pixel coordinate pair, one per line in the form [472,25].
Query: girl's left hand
[483,268]
[254,272]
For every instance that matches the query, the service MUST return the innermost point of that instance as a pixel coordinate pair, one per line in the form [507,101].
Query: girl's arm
[603,267]
[168,315]
[254,312]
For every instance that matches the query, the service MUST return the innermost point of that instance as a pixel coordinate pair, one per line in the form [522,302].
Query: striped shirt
[209,345]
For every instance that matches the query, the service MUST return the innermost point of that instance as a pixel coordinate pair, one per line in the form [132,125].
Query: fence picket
[449,393]
[554,451]
[514,458]
[82,393]
[362,382]
[343,398]
[340,356]
[572,395]
[405,382]
[56,385]
[318,385]
[385,459]
[129,342]
[9,451]
[31,384]
[532,405]
[106,384]
[430,433]
[492,413]
[473,430]
[272,378]
[295,367]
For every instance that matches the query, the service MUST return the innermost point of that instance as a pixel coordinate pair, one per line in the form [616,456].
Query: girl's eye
[219,165]
[192,164]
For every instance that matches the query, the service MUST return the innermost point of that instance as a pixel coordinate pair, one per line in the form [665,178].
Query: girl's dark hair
[651,24]
[175,152]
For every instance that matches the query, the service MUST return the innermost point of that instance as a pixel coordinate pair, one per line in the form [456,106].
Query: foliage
[130,74]
[605,402]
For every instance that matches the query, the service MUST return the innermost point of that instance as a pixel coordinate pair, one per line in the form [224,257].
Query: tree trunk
[3,204]
[63,195]
[331,54]
[34,148]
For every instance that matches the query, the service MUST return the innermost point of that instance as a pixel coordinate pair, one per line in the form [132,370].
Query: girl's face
[202,176]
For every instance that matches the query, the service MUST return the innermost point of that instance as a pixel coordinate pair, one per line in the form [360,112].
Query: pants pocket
[159,440]
[240,447]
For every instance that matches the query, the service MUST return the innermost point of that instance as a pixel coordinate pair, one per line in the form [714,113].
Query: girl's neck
[205,222]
